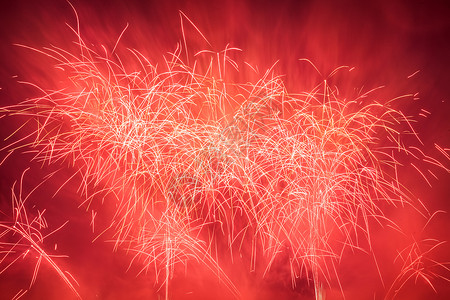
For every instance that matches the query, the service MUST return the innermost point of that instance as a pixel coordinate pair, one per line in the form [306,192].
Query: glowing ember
[195,166]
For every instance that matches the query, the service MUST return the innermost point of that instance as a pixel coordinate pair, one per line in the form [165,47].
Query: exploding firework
[182,165]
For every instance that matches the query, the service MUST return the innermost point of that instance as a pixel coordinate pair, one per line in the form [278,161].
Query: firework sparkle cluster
[199,168]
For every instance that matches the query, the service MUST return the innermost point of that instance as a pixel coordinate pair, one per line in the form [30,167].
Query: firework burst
[200,168]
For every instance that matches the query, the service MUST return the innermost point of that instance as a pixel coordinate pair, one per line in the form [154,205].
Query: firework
[22,236]
[198,167]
